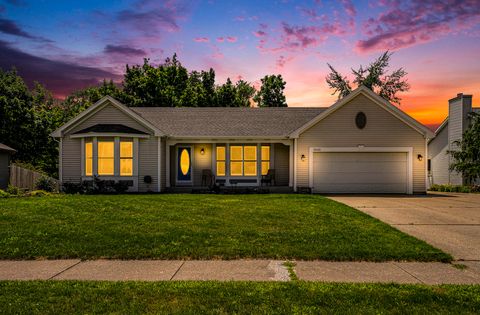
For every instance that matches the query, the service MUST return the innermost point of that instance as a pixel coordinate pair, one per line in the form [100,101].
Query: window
[243,160]
[221,157]
[265,159]
[126,158]
[106,158]
[88,158]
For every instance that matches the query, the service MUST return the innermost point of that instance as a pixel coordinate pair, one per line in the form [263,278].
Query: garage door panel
[360,172]
[345,178]
[362,167]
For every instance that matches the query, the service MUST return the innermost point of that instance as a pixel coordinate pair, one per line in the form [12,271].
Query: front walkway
[241,270]
[449,221]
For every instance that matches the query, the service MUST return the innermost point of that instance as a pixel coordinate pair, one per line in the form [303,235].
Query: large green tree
[271,92]
[374,77]
[466,159]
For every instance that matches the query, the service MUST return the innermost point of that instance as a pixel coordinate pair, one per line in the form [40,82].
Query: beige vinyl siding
[109,115]
[201,162]
[455,130]
[382,130]
[281,158]
[147,163]
[71,160]
[437,152]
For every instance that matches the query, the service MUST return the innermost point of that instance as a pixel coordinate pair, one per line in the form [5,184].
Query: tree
[226,95]
[467,158]
[271,92]
[244,93]
[373,77]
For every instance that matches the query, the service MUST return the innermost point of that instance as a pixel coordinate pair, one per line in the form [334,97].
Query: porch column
[167,164]
[290,165]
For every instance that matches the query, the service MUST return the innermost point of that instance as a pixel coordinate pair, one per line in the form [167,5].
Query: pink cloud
[220,39]
[201,39]
[231,39]
[408,23]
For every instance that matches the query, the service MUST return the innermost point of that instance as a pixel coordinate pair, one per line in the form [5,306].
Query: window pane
[236,168]
[250,153]
[88,167]
[265,167]
[266,153]
[126,149]
[250,168]
[88,150]
[236,153]
[105,166]
[221,153]
[220,168]
[126,167]
[105,149]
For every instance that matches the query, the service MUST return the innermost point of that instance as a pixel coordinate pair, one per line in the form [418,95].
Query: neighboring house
[449,131]
[360,144]
[5,154]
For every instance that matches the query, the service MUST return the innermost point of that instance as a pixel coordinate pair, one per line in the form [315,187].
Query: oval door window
[185,162]
[361,120]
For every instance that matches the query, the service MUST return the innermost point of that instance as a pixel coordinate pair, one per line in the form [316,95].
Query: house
[5,155]
[360,144]
[448,132]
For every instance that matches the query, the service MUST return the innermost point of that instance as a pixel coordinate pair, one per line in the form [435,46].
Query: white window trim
[408,150]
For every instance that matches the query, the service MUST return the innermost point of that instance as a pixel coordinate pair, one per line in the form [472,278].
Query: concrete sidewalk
[240,270]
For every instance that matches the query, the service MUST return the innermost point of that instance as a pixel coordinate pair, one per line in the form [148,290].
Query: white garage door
[365,172]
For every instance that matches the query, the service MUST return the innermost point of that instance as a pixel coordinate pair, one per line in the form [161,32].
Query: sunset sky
[67,45]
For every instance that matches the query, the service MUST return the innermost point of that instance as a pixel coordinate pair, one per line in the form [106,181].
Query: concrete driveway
[449,221]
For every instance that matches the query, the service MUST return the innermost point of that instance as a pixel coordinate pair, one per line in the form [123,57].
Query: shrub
[72,188]
[13,190]
[120,187]
[455,188]
[4,194]
[38,193]
[46,183]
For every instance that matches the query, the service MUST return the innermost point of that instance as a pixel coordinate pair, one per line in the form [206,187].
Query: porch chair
[207,177]
[269,178]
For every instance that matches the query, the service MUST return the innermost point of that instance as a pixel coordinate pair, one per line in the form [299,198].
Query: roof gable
[103,102]
[362,90]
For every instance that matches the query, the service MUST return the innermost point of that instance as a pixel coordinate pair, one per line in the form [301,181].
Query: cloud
[220,39]
[231,39]
[11,28]
[282,61]
[201,39]
[407,23]
[58,76]
[123,50]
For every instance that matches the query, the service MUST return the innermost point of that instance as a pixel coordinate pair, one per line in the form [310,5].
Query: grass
[70,297]
[183,226]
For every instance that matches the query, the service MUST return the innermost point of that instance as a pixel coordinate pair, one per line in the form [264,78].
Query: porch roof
[228,121]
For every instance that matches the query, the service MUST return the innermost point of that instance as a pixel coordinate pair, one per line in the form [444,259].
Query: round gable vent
[361,120]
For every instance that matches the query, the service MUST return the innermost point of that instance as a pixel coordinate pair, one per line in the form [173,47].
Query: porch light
[420,157]
[302,158]
[202,151]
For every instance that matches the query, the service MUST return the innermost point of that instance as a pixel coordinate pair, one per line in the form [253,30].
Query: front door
[184,165]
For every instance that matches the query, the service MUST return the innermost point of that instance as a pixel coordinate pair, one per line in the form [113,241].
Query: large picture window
[126,158]
[89,158]
[243,160]
[112,157]
[221,161]
[265,159]
[106,157]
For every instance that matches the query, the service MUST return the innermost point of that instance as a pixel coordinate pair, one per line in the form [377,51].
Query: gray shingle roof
[228,121]
[116,128]
[4,147]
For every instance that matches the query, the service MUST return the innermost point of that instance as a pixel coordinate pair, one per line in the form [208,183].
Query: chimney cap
[460,96]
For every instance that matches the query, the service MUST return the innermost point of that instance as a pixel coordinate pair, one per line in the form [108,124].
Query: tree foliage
[374,77]
[467,158]
[271,92]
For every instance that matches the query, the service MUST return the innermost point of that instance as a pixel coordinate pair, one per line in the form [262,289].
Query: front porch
[229,166]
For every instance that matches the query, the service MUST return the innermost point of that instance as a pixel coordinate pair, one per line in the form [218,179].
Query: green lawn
[70,297]
[200,227]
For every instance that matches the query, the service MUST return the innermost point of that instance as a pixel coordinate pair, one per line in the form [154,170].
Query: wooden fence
[26,179]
